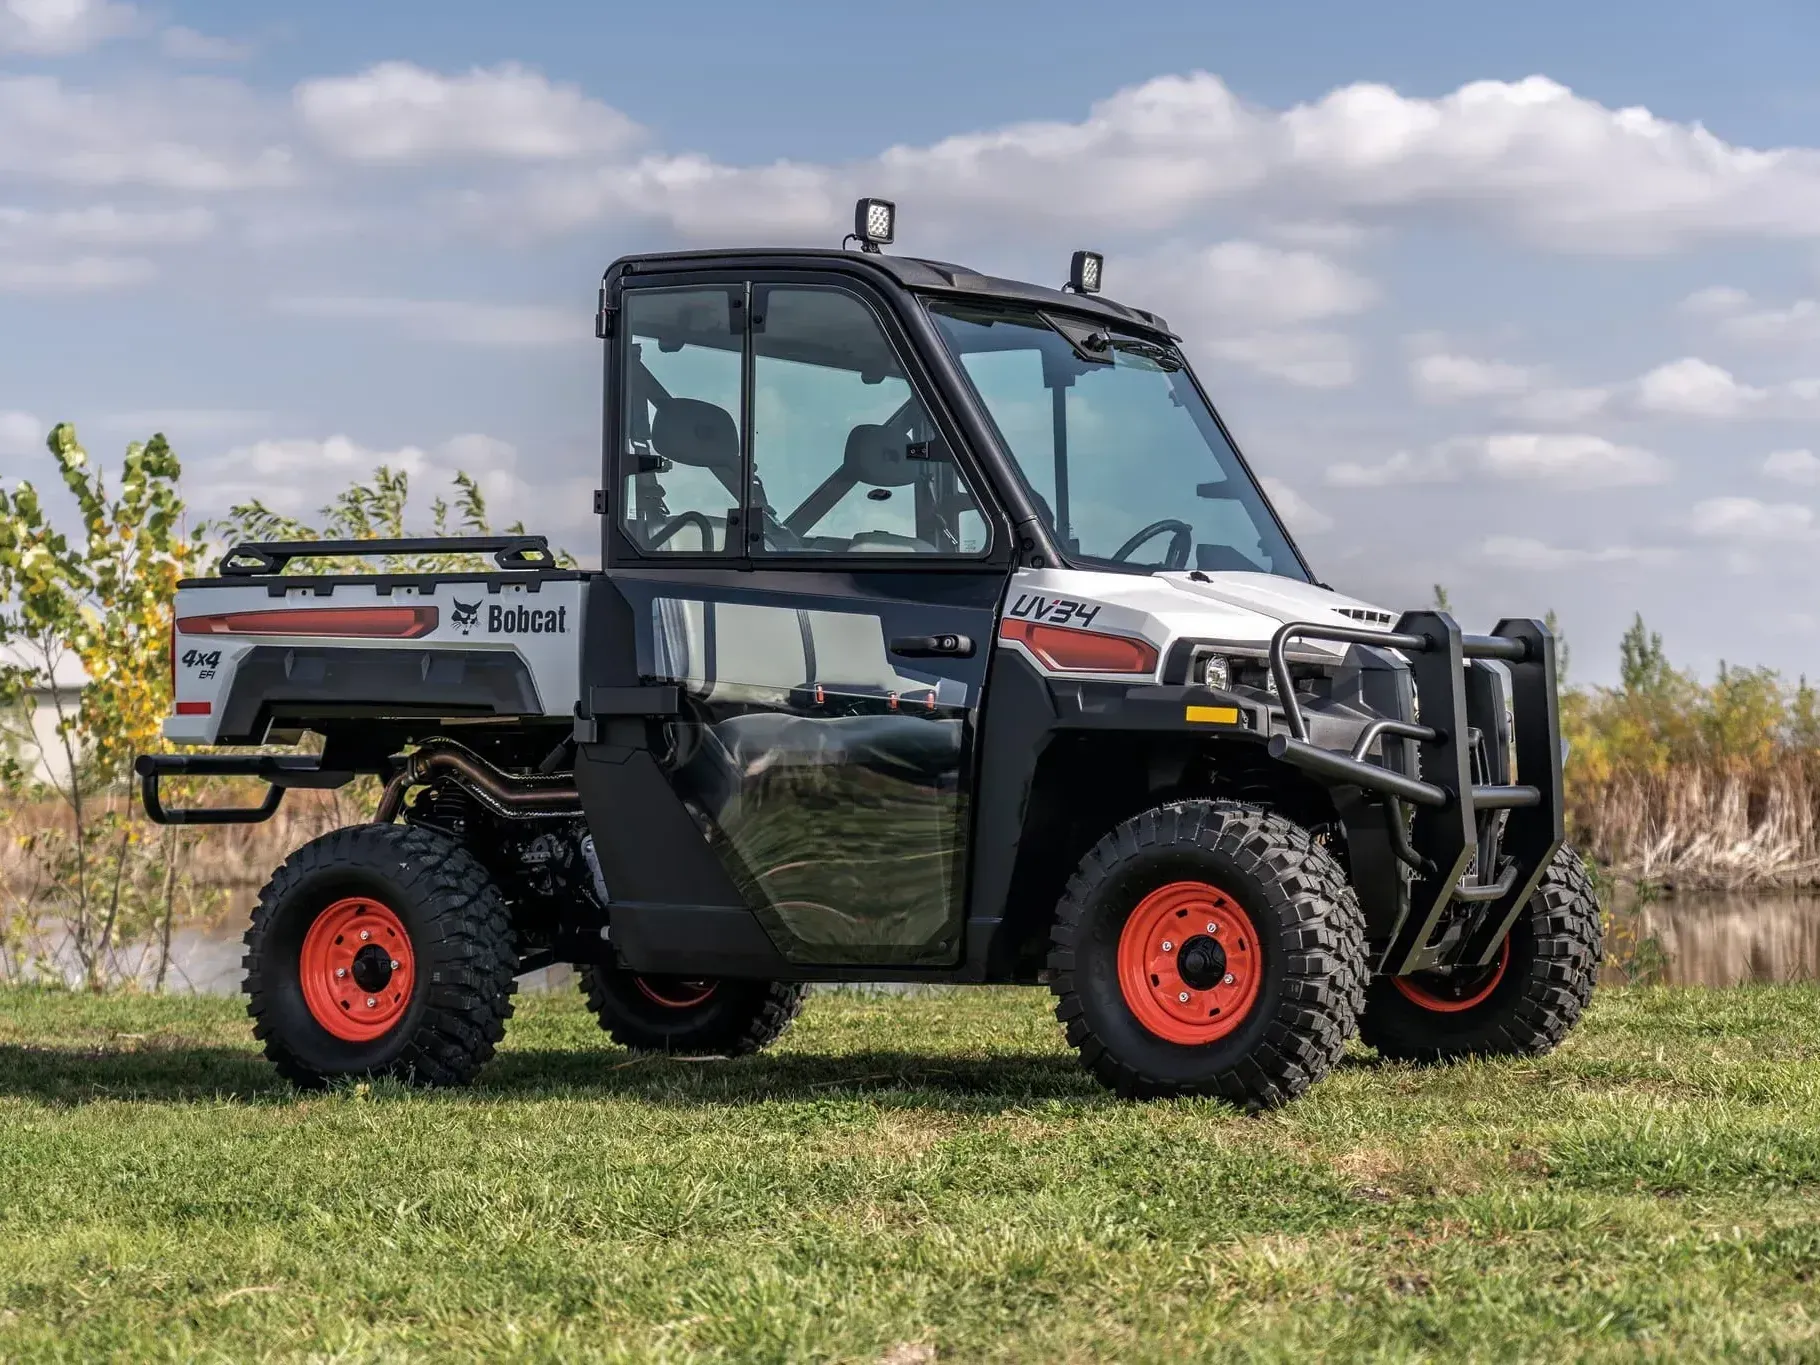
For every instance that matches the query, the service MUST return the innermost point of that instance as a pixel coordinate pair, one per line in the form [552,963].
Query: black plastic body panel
[829,777]
[314,685]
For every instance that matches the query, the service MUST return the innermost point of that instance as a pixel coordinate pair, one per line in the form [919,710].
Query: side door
[829,627]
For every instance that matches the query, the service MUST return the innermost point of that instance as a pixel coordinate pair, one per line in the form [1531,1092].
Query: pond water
[1727,940]
[1713,940]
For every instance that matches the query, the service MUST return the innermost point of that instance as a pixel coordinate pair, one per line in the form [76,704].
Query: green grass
[908,1179]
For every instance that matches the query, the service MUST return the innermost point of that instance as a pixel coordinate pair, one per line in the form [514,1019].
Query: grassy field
[916,1179]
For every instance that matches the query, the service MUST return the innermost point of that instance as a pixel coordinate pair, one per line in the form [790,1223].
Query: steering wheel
[677,522]
[1181,541]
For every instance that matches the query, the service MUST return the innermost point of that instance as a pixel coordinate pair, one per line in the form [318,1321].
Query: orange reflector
[1081,651]
[1214,715]
[373,623]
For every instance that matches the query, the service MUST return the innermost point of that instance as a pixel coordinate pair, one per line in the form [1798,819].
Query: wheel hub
[357,969]
[372,968]
[1190,965]
[1203,962]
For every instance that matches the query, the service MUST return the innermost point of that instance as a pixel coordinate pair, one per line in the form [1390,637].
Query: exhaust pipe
[505,794]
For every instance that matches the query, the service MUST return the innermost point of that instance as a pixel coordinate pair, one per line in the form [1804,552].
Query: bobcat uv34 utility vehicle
[941,635]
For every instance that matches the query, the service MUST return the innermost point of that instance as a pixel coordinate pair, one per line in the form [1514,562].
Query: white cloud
[1402,467]
[1739,317]
[1249,303]
[296,476]
[1523,552]
[1242,285]
[1563,459]
[1303,517]
[1691,387]
[1442,377]
[399,112]
[1571,460]
[187,45]
[1311,359]
[1528,157]
[20,433]
[1747,519]
[1560,406]
[192,133]
[1793,466]
[56,27]
[466,323]
[78,275]
[105,225]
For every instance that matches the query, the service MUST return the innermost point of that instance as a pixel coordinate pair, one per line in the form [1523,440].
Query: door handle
[933,646]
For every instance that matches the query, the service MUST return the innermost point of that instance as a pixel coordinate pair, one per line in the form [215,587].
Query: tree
[103,599]
[378,510]
[1561,650]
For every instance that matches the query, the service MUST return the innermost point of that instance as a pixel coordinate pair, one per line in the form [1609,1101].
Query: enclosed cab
[942,634]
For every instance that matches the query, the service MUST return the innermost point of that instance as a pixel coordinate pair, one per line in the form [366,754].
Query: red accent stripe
[194,708]
[381,623]
[1067,650]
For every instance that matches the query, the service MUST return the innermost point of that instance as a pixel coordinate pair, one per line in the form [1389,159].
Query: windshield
[1128,464]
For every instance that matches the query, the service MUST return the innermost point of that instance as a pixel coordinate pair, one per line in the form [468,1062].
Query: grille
[1367,615]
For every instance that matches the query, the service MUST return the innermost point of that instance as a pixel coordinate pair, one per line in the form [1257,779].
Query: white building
[32,737]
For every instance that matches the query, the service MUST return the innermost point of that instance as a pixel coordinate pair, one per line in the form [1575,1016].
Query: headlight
[1216,671]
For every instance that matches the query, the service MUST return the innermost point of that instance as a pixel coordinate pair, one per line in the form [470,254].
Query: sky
[1521,300]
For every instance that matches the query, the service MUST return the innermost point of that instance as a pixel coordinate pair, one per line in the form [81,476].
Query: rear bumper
[280,771]
[1478,843]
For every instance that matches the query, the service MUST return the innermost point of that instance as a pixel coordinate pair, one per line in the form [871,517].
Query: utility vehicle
[942,635]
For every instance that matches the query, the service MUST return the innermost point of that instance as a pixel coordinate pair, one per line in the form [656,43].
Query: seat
[878,457]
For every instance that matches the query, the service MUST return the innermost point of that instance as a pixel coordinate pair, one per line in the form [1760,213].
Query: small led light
[875,222]
[1216,671]
[1084,272]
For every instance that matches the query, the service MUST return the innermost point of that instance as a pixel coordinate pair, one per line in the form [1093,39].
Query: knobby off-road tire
[1272,963]
[380,950]
[690,1018]
[1524,1004]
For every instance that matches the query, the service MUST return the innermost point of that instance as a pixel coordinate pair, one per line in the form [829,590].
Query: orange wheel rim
[357,969]
[1190,966]
[675,995]
[1452,994]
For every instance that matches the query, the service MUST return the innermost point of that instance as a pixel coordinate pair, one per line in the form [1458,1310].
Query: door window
[681,472]
[845,459]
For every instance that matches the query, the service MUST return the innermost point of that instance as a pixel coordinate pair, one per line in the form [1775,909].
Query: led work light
[874,223]
[1084,272]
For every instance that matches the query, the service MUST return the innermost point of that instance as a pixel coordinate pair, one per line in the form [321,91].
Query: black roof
[910,272]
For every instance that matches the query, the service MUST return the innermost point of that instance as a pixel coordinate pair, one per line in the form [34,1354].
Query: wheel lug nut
[1212,928]
[1183,997]
[364,935]
[1227,978]
[394,964]
[1168,947]
[341,971]
[372,1003]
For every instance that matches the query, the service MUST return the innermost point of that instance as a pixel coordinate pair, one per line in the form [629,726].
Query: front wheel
[380,950]
[691,1017]
[1208,948]
[1521,1004]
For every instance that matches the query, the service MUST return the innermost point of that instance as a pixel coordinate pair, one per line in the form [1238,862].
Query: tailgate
[298,652]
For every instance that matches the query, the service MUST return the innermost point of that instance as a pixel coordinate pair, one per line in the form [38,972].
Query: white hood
[1236,608]
[1282,599]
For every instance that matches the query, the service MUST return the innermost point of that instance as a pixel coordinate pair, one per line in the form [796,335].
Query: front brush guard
[1438,847]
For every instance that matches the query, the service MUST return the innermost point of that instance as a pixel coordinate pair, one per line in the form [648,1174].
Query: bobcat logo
[467,615]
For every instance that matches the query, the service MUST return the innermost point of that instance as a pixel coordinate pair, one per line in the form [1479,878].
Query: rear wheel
[1522,1003]
[1208,948]
[698,1017]
[380,950]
